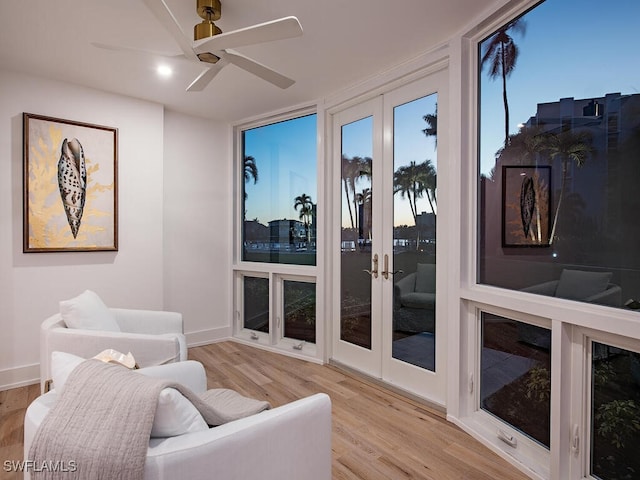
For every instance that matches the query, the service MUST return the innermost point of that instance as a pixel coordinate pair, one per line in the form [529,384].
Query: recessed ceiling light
[164,71]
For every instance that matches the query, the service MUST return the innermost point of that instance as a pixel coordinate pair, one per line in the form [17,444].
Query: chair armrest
[611,296]
[148,321]
[299,431]
[189,373]
[405,285]
[148,350]
[546,288]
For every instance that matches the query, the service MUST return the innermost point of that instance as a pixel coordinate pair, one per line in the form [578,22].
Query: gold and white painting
[70,185]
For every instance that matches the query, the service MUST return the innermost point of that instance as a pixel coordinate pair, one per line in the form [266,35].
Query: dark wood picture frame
[526,205]
[70,186]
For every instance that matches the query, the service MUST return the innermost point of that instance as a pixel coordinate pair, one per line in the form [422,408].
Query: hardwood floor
[377,434]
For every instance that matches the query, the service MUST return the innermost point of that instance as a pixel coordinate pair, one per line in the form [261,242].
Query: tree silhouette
[305,204]
[412,181]
[250,171]
[501,53]
[353,169]
[571,147]
[524,148]
[432,125]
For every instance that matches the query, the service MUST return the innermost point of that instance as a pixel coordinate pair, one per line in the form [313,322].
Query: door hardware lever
[385,272]
[374,272]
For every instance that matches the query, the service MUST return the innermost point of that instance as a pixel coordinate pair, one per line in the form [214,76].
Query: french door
[385,281]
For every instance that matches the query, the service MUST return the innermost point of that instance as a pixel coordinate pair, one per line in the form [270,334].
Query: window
[515,375]
[279,223]
[559,135]
[277,232]
[299,310]
[615,412]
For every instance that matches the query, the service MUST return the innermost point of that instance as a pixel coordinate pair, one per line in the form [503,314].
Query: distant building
[283,233]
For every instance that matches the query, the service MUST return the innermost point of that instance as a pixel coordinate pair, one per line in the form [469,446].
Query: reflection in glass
[356,239]
[558,156]
[279,192]
[515,375]
[300,310]
[615,413]
[256,303]
[414,231]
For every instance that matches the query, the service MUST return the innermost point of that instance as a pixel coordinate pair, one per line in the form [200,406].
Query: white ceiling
[344,42]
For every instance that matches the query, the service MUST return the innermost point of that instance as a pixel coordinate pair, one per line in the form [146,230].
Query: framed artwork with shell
[70,183]
[526,205]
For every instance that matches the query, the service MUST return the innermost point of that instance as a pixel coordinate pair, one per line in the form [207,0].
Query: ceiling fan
[212,48]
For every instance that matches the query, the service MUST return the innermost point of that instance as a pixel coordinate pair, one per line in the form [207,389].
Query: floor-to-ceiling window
[277,233]
[552,311]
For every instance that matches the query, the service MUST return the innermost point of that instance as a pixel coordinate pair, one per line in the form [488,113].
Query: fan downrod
[209,11]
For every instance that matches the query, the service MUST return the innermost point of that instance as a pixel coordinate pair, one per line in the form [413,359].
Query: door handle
[374,272]
[385,273]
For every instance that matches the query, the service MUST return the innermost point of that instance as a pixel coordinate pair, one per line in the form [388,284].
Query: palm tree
[412,181]
[432,125]
[347,179]
[353,169]
[364,198]
[571,147]
[306,209]
[523,148]
[250,171]
[502,54]
[362,169]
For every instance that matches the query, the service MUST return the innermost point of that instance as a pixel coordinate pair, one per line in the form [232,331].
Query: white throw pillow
[62,364]
[87,311]
[175,415]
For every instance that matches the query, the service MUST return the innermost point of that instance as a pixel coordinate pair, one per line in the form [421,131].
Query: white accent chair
[289,442]
[153,337]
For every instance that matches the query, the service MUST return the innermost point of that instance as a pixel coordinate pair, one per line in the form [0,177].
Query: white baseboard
[206,337]
[19,376]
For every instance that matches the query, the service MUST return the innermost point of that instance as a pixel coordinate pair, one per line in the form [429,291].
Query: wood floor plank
[377,434]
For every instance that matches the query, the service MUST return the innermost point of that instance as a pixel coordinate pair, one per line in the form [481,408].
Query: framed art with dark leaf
[70,197]
[526,206]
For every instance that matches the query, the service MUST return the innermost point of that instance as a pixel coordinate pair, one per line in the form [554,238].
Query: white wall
[198,207]
[32,284]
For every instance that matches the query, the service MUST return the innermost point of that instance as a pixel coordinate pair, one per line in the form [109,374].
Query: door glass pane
[615,413]
[356,241]
[515,375]
[256,303]
[414,231]
[279,192]
[300,310]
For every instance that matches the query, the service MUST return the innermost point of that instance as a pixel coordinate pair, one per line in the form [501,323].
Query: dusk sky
[565,52]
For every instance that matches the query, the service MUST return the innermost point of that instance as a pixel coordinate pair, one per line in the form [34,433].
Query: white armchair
[153,337]
[289,442]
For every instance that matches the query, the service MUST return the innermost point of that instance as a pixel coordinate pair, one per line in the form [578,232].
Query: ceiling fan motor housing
[209,11]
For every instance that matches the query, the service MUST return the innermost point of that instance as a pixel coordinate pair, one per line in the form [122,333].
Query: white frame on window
[277,271]
[568,320]
[583,339]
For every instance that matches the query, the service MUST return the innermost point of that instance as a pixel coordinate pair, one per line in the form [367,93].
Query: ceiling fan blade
[165,17]
[258,69]
[137,51]
[205,77]
[287,27]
